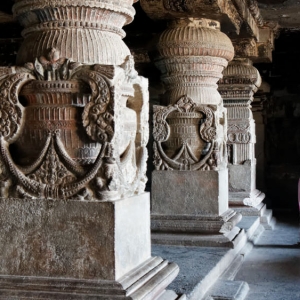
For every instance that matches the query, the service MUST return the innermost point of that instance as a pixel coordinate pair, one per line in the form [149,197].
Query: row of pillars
[76,224]
[204,135]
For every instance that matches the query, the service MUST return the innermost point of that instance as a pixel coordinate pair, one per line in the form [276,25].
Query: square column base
[73,249]
[147,282]
[191,208]
[204,231]
[247,199]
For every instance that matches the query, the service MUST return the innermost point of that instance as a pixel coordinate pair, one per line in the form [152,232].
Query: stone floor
[272,268]
[267,267]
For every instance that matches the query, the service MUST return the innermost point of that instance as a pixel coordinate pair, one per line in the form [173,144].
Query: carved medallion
[190,130]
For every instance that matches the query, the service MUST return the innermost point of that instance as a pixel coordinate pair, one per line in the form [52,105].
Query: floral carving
[98,115]
[11,111]
[239,132]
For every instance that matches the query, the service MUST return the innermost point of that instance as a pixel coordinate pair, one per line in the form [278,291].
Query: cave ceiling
[284,12]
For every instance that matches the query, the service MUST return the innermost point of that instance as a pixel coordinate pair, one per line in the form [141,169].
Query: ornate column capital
[240,80]
[77,28]
[192,55]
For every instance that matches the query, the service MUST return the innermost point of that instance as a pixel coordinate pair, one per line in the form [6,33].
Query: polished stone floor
[272,268]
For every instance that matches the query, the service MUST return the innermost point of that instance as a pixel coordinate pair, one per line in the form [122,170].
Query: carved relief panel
[74,118]
[185,136]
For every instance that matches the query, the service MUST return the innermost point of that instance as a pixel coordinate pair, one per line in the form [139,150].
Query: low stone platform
[205,270]
[266,215]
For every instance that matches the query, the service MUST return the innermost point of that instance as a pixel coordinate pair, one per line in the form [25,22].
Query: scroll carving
[11,111]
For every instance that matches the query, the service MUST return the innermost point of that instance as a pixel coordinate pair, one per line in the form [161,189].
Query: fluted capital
[27,8]
[87,31]
[192,55]
[241,72]
[195,37]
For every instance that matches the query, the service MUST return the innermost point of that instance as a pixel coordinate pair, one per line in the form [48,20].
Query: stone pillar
[190,183]
[241,80]
[75,220]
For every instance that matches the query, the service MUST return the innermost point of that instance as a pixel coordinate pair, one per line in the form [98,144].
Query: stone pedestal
[188,209]
[74,249]
[258,110]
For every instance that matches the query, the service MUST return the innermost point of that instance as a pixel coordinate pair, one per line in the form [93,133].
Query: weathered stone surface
[146,282]
[189,193]
[74,239]
[79,250]
[189,209]
[242,177]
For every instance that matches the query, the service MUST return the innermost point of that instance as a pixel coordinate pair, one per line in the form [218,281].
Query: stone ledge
[152,279]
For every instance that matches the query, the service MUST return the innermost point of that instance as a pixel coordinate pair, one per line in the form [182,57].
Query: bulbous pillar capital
[192,55]
[84,31]
[242,71]
[240,80]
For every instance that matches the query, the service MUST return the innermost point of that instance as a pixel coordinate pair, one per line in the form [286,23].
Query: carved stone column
[75,220]
[241,80]
[190,184]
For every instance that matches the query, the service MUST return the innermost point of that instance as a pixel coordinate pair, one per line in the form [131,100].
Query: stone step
[249,224]
[230,240]
[228,290]
[267,220]
[253,230]
[255,237]
[200,267]
[234,267]
[263,209]
[170,295]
